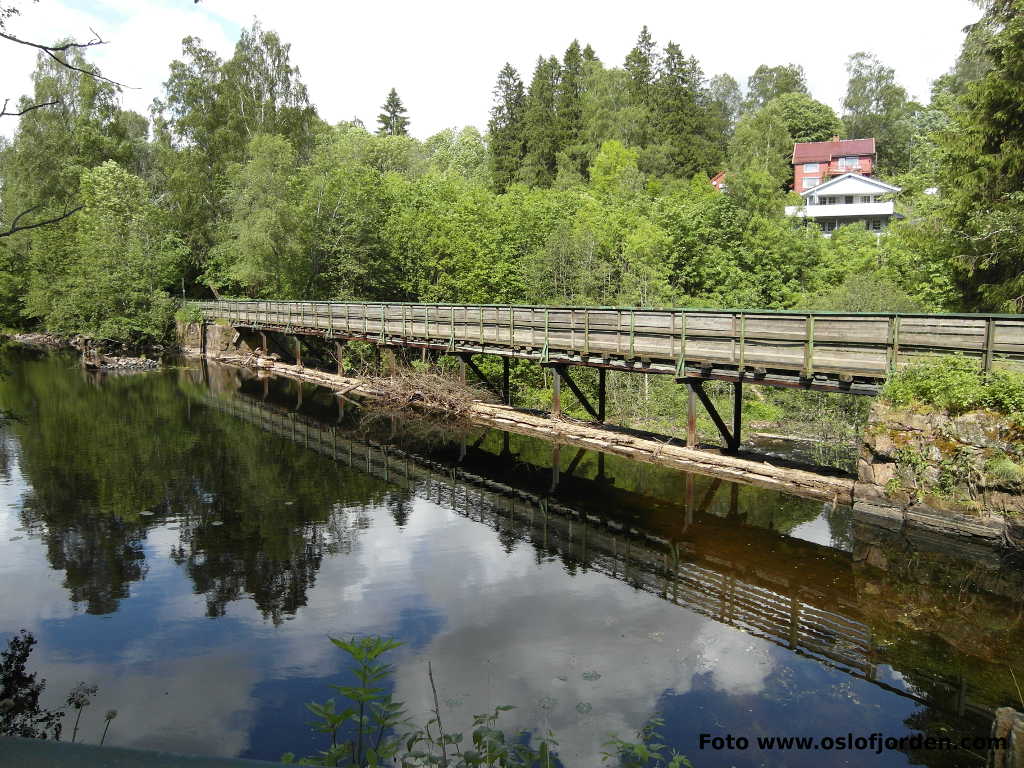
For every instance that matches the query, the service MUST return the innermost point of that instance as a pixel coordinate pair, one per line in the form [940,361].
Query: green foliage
[506,129]
[768,83]
[646,750]
[392,120]
[983,166]
[110,279]
[372,730]
[805,118]
[876,106]
[957,385]
[258,254]
[1004,470]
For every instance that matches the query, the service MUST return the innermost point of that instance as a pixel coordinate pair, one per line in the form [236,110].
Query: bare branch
[53,50]
[5,113]
[15,228]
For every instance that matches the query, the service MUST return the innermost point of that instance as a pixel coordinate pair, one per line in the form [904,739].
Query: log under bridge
[823,351]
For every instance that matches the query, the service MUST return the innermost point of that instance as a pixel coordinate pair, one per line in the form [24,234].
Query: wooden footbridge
[824,351]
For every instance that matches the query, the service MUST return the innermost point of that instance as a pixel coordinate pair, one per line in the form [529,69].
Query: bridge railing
[806,344]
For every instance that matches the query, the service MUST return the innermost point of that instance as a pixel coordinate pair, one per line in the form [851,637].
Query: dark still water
[188,540]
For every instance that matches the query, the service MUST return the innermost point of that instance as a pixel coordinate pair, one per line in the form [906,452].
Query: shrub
[957,385]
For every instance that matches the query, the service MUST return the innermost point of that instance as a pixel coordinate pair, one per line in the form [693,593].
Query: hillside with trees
[589,186]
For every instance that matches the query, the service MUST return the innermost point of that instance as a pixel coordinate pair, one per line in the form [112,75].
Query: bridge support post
[691,417]
[202,338]
[731,439]
[506,392]
[298,351]
[596,413]
[466,361]
[556,392]
[601,375]
[263,343]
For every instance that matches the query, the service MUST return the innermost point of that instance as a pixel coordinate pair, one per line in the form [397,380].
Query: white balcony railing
[842,210]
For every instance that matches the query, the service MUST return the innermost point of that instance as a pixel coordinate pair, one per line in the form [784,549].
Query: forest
[590,186]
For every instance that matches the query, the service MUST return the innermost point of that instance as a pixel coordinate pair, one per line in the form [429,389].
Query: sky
[443,58]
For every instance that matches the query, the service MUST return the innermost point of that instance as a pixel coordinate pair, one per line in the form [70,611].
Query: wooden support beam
[601,373]
[564,371]
[691,417]
[731,441]
[556,393]
[339,356]
[505,386]
[467,360]
[298,351]
[737,413]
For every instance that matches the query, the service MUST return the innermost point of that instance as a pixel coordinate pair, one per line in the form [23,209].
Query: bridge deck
[817,350]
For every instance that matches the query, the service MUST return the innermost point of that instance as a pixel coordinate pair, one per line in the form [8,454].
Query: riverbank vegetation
[589,186]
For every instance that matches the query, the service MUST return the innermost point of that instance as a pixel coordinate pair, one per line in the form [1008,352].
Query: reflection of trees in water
[106,458]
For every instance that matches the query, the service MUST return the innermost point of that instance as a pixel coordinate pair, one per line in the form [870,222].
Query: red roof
[824,151]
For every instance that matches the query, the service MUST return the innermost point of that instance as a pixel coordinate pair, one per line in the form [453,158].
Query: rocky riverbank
[95,355]
[960,474]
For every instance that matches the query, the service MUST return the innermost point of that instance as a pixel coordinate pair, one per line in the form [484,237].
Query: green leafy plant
[646,751]
[956,384]
[378,733]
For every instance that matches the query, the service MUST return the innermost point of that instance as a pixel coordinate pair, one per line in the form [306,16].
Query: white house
[847,199]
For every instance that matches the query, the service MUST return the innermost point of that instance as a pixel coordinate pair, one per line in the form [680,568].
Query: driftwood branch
[52,220]
[53,50]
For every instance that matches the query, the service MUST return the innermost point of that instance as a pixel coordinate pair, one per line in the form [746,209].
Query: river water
[188,541]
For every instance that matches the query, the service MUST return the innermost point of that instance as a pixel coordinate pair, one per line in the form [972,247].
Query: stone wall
[221,340]
[961,474]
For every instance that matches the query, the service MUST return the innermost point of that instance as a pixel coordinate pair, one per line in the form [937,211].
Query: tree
[684,126]
[982,178]
[572,158]
[769,82]
[876,106]
[726,99]
[259,252]
[506,129]
[642,66]
[111,280]
[805,118]
[762,143]
[393,121]
[541,124]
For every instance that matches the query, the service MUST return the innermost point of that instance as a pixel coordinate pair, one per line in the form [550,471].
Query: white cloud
[443,58]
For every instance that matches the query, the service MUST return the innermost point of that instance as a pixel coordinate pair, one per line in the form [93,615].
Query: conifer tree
[393,121]
[641,64]
[541,124]
[569,111]
[507,128]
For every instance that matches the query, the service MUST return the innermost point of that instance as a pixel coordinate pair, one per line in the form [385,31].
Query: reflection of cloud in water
[739,664]
[199,705]
[512,631]
[585,656]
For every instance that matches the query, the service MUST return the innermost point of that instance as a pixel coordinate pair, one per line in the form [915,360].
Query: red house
[815,162]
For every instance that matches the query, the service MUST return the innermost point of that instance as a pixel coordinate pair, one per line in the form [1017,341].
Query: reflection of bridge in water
[813,610]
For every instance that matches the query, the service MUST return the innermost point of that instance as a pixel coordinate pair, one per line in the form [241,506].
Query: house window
[865,199]
[811,168]
[849,163]
[849,199]
[810,181]
[828,226]
[874,225]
